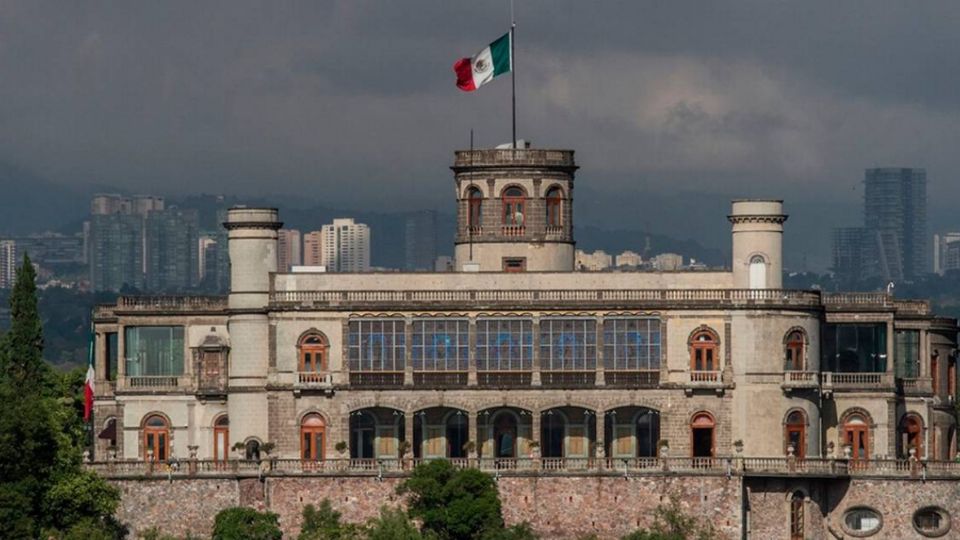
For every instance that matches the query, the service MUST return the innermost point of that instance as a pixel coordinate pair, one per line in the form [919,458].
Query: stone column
[473,431]
[535,427]
[535,361]
[599,434]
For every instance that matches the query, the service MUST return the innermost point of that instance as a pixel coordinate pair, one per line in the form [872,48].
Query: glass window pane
[153,350]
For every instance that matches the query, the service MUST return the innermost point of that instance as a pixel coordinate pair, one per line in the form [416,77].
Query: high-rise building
[895,214]
[313,248]
[420,240]
[171,254]
[288,249]
[116,251]
[593,262]
[8,263]
[346,246]
[204,243]
[848,253]
[629,258]
[943,245]
[112,203]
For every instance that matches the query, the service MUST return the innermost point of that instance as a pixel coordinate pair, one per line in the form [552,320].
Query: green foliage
[670,522]
[522,531]
[44,490]
[154,534]
[393,524]
[452,503]
[321,523]
[241,523]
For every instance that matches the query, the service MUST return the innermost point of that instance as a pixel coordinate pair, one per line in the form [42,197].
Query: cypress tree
[23,343]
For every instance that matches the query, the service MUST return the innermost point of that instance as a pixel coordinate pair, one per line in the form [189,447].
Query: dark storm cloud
[779,98]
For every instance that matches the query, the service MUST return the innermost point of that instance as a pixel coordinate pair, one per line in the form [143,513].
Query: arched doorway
[758,272]
[856,435]
[632,432]
[252,450]
[554,207]
[794,351]
[221,438]
[567,432]
[440,432]
[795,434]
[505,424]
[702,435]
[156,438]
[911,436]
[313,437]
[313,358]
[376,432]
[703,351]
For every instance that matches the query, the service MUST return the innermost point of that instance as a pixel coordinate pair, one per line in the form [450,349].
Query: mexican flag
[496,59]
[88,383]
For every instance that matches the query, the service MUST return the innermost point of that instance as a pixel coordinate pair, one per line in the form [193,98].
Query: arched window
[554,207]
[221,438]
[796,516]
[911,436]
[156,438]
[312,437]
[856,435]
[701,435]
[795,434]
[703,351]
[252,450]
[758,272]
[474,209]
[313,357]
[794,351]
[514,204]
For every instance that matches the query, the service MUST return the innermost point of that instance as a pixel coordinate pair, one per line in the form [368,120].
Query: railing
[504,378]
[857,381]
[151,381]
[513,230]
[376,378]
[876,300]
[510,156]
[554,230]
[722,465]
[639,379]
[915,385]
[568,379]
[171,303]
[313,378]
[475,230]
[552,297]
[440,378]
[800,379]
[704,377]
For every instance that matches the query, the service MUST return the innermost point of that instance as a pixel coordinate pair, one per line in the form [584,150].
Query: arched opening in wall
[156,438]
[554,210]
[795,434]
[911,436]
[107,438]
[631,432]
[504,432]
[474,210]
[514,207]
[703,353]
[251,450]
[567,432]
[795,357]
[702,428]
[376,433]
[856,435]
[313,357]
[313,437]
[440,432]
[505,428]
[221,438]
[796,516]
[758,272]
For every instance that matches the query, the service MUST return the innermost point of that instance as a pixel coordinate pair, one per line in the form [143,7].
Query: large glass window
[112,355]
[377,345]
[153,350]
[504,344]
[906,353]
[440,344]
[631,343]
[854,348]
[568,344]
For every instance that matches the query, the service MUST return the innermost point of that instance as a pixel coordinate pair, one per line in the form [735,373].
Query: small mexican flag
[88,389]
[496,59]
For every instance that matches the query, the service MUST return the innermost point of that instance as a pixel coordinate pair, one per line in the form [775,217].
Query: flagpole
[513,74]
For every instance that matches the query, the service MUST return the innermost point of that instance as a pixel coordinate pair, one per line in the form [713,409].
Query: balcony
[857,382]
[568,379]
[501,379]
[915,386]
[149,382]
[800,380]
[314,379]
[704,380]
[513,230]
[376,379]
[632,379]
[510,157]
[440,379]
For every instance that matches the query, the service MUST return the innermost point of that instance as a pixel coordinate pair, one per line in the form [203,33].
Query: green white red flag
[496,59]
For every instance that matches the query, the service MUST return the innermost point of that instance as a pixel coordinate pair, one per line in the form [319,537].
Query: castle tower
[514,210]
[757,243]
[253,257]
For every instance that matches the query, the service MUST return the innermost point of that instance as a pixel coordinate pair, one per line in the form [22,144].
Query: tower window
[514,204]
[554,207]
[474,208]
[514,265]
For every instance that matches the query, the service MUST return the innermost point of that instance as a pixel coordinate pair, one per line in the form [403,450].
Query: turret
[514,210]
[757,243]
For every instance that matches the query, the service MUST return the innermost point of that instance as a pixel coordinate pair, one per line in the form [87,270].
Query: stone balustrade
[636,466]
[509,157]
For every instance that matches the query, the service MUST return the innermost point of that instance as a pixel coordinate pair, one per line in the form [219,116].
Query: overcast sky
[353,103]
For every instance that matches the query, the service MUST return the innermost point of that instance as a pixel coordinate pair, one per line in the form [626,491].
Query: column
[535,361]
[472,354]
[601,375]
[535,428]
[408,352]
[600,436]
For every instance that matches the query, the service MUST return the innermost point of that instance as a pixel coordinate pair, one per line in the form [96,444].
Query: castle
[517,361]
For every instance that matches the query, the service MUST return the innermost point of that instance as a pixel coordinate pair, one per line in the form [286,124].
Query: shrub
[240,523]
[393,524]
[452,503]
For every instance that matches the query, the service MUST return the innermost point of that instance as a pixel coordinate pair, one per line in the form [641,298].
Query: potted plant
[738,446]
[341,448]
[470,448]
[664,446]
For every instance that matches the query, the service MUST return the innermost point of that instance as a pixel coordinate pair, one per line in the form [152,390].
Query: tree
[453,503]
[324,524]
[240,523]
[23,343]
[670,522]
[392,524]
